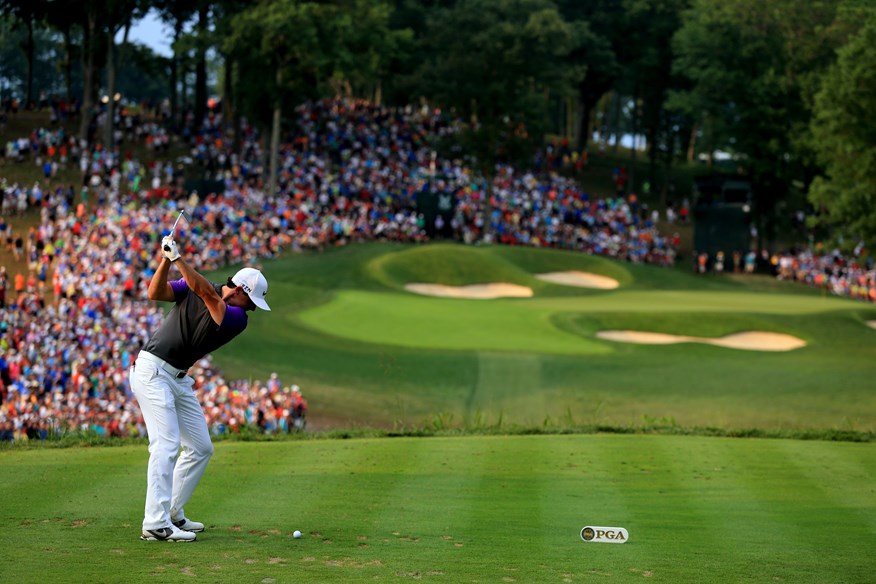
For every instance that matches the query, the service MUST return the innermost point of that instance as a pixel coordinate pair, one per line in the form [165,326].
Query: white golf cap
[254,284]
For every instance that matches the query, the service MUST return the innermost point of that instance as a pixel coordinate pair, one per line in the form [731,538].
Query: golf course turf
[534,429]
[367,352]
[456,509]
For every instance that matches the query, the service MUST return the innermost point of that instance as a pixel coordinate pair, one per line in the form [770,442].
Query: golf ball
[296,534]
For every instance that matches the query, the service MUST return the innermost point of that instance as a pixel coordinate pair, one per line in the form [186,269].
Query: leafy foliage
[692,76]
[521,48]
[845,133]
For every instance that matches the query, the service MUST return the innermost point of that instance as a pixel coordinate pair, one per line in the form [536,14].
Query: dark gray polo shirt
[188,331]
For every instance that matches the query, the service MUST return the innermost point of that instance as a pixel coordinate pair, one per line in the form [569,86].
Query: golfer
[205,317]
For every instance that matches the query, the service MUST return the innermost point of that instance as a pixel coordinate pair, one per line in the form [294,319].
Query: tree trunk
[29,50]
[113,57]
[68,64]
[692,143]
[579,133]
[183,95]
[669,159]
[631,184]
[275,137]
[87,75]
[709,136]
[110,88]
[227,92]
[237,118]
[616,122]
[585,115]
[174,76]
[651,140]
[604,129]
[201,65]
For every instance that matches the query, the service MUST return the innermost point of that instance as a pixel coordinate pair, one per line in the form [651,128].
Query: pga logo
[594,533]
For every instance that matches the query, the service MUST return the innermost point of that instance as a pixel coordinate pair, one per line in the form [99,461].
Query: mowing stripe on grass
[842,473]
[577,489]
[503,377]
[764,509]
[685,511]
[282,481]
[82,485]
[507,511]
[456,509]
[635,488]
[426,503]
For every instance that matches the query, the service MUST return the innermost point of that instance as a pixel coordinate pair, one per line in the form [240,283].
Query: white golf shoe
[171,533]
[189,525]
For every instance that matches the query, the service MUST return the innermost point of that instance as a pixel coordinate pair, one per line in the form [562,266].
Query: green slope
[367,352]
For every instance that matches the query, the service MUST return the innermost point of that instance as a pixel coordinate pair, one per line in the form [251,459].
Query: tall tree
[90,44]
[13,67]
[370,45]
[747,86]
[202,44]
[600,25]
[497,63]
[116,15]
[845,134]
[285,48]
[225,12]
[176,13]
[413,16]
[651,25]
[29,14]
[63,16]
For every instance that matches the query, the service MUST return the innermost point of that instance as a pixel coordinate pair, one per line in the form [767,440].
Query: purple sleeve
[235,318]
[180,288]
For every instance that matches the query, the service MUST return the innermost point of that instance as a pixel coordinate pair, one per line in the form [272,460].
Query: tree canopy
[781,87]
[844,132]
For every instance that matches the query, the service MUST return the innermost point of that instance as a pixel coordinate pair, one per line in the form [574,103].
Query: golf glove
[169,249]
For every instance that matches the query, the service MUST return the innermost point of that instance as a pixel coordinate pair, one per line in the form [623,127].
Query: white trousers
[173,417]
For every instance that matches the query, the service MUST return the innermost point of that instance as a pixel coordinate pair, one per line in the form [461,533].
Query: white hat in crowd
[254,284]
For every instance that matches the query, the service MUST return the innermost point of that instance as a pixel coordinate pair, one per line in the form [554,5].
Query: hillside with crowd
[74,318]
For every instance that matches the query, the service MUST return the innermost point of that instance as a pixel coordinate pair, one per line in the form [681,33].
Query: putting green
[447,324]
[523,325]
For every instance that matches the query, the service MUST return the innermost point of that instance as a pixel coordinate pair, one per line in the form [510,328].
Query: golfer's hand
[169,249]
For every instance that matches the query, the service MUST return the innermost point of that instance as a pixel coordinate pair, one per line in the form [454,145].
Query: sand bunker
[871,323]
[474,291]
[580,279]
[748,341]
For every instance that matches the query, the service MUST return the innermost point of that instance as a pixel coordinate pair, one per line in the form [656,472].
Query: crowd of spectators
[350,171]
[66,342]
[853,277]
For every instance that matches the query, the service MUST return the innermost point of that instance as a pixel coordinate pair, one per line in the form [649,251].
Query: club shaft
[173,229]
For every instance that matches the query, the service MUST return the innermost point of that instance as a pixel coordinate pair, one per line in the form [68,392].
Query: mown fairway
[367,352]
[457,509]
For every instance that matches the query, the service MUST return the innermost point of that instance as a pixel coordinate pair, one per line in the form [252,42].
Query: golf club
[182,213]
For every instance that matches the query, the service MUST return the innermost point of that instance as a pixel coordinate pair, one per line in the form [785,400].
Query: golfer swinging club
[205,317]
